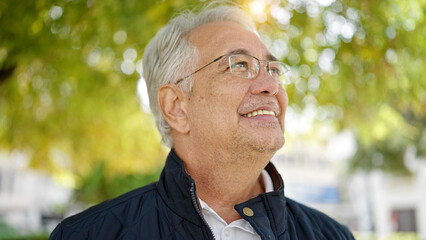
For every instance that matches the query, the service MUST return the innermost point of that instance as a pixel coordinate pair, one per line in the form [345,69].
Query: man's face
[219,106]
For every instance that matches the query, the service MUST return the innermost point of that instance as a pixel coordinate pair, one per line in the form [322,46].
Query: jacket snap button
[248,212]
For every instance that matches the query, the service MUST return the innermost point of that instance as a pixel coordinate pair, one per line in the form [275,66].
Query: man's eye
[275,71]
[239,66]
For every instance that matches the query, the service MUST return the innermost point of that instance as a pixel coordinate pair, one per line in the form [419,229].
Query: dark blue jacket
[169,209]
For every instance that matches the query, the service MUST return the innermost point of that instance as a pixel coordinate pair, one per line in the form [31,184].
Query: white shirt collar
[238,229]
[267,180]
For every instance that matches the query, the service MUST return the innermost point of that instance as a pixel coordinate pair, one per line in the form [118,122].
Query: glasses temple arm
[208,64]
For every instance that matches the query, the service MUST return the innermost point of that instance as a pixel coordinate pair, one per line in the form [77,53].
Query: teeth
[259,112]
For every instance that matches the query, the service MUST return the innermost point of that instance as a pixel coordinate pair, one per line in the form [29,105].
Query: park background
[75,126]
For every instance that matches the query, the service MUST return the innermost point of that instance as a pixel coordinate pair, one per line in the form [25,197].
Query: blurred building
[368,203]
[29,200]
[314,178]
[386,203]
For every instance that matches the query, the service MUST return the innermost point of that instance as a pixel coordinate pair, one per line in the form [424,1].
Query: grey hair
[169,56]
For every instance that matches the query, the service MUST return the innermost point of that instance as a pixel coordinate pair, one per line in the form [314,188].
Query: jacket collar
[177,189]
[269,209]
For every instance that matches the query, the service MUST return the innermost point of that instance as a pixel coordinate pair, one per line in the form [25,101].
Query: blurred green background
[69,74]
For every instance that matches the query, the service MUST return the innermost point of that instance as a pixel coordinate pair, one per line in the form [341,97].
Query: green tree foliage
[361,65]
[65,99]
[68,81]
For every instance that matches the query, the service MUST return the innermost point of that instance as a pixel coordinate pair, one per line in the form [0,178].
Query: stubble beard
[253,146]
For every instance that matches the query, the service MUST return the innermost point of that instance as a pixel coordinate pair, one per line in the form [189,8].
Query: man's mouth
[260,112]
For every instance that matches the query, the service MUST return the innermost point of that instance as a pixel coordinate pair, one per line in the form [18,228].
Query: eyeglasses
[246,66]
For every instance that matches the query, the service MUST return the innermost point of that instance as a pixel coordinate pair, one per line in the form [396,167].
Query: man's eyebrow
[239,51]
[269,56]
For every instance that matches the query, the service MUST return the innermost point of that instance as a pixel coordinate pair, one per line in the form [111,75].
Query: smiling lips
[260,112]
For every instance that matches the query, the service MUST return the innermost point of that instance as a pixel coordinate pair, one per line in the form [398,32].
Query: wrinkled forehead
[219,38]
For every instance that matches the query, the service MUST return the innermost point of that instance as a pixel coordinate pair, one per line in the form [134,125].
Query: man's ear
[172,102]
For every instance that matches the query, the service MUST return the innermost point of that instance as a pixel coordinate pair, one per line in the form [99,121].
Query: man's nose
[264,83]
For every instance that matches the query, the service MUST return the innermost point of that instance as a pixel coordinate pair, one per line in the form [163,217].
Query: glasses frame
[229,63]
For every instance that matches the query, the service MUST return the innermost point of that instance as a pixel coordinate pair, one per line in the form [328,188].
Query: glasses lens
[285,79]
[243,66]
[279,71]
[246,66]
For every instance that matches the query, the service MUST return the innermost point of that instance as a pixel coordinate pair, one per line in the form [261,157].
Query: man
[216,94]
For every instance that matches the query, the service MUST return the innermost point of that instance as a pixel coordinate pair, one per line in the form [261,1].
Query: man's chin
[268,145]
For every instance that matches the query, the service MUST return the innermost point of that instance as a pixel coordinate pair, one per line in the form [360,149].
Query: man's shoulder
[317,221]
[302,212]
[114,213]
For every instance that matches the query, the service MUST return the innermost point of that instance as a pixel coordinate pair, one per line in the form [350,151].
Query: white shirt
[238,229]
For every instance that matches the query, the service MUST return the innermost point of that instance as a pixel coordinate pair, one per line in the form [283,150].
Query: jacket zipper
[195,203]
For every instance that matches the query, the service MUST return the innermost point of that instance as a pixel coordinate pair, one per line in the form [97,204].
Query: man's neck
[222,182]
